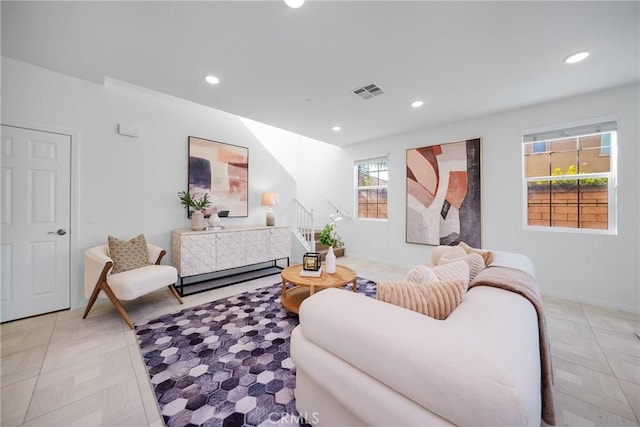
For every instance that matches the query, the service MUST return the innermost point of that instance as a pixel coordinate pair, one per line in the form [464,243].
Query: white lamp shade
[270,199]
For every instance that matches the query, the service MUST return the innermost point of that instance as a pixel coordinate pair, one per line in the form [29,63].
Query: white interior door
[35,215]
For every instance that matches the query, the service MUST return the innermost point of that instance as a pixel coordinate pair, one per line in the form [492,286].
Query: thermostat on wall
[128,130]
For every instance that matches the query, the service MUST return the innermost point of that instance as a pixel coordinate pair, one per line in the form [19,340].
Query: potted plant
[328,237]
[198,203]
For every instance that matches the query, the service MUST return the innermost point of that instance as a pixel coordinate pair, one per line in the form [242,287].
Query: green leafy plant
[568,183]
[197,202]
[328,236]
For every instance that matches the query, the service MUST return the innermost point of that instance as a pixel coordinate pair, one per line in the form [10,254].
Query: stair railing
[343,212]
[303,225]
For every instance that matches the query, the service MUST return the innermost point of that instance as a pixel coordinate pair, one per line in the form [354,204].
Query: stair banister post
[312,233]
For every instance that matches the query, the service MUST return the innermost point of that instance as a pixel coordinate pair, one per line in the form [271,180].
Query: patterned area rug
[226,363]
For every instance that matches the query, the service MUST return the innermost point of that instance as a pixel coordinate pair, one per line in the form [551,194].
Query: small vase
[214,220]
[330,261]
[197,221]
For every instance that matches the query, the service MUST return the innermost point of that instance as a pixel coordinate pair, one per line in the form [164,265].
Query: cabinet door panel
[230,250]
[257,246]
[280,243]
[197,254]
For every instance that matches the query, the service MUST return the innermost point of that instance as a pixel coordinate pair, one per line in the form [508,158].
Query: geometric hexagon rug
[225,363]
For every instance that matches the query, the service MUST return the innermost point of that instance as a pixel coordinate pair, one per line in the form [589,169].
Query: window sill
[570,230]
[374,219]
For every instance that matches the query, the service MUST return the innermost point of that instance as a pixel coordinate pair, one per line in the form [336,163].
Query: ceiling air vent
[368,91]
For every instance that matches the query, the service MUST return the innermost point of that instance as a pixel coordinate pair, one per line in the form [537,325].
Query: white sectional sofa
[361,361]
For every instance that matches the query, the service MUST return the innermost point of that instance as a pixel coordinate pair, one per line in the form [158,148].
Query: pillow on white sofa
[486,254]
[435,299]
[439,251]
[453,271]
[475,261]
[421,274]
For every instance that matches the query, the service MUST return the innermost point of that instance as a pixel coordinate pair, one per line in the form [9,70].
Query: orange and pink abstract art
[443,193]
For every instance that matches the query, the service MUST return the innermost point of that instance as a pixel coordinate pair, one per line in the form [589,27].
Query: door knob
[60,232]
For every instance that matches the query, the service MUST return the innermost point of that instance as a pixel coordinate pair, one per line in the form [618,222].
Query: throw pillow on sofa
[438,251]
[128,255]
[421,274]
[435,299]
[453,271]
[458,270]
[485,254]
[444,297]
[475,261]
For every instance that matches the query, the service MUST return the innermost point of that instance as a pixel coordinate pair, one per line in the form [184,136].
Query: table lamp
[271,200]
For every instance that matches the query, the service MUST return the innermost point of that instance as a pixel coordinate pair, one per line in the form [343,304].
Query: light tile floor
[60,370]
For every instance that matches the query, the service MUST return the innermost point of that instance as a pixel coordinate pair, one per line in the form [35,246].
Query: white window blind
[570,132]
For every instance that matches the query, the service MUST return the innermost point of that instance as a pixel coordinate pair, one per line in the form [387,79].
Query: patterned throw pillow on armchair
[127,255]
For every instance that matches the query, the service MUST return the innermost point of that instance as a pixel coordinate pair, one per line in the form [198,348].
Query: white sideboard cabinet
[229,250]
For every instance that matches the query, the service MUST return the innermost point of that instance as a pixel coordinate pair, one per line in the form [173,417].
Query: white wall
[310,161]
[599,269]
[130,185]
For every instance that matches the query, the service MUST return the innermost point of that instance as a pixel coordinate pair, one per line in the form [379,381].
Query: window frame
[534,150]
[565,132]
[605,150]
[367,161]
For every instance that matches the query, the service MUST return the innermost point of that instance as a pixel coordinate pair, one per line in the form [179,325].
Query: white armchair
[126,285]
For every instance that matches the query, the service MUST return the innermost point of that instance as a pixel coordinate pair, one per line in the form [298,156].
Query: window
[539,147]
[371,182]
[605,144]
[571,184]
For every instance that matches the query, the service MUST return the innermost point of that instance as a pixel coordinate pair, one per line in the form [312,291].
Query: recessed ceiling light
[336,128]
[213,80]
[417,104]
[576,57]
[294,4]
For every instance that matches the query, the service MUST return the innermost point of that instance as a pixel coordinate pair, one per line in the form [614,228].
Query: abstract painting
[222,171]
[443,194]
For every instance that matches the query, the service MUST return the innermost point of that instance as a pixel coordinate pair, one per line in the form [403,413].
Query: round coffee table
[304,286]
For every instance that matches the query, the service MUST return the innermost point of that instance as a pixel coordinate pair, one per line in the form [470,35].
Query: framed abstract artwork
[443,194]
[222,171]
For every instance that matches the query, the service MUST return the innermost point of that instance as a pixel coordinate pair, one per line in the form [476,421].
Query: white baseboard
[599,303]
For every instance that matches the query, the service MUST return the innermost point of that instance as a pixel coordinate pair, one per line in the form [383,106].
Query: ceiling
[297,68]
